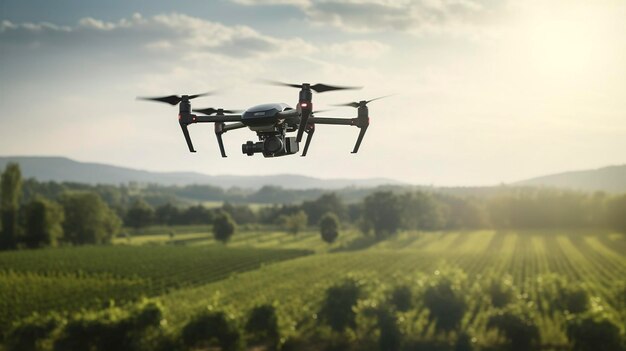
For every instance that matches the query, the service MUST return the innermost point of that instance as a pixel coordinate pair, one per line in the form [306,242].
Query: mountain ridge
[609,178]
[64,169]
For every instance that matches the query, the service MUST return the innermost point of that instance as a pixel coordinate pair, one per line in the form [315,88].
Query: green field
[73,278]
[191,272]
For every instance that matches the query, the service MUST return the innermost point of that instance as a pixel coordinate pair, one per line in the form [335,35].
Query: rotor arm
[216,118]
[334,121]
[361,122]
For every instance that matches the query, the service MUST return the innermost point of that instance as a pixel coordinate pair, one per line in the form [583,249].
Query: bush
[566,296]
[517,326]
[390,337]
[262,326]
[223,227]
[210,329]
[446,303]
[401,298]
[501,292]
[329,227]
[338,306]
[111,329]
[594,332]
[28,334]
[575,299]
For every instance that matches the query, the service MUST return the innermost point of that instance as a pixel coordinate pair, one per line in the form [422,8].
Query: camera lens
[272,145]
[248,148]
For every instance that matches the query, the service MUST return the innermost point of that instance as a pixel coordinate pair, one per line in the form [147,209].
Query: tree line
[75,217]
[84,214]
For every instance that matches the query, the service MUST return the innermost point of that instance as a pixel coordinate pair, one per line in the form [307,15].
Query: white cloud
[413,16]
[183,34]
[362,49]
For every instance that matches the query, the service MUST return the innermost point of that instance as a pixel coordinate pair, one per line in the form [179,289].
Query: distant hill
[63,169]
[610,179]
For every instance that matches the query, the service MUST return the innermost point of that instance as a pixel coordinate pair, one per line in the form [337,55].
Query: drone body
[271,122]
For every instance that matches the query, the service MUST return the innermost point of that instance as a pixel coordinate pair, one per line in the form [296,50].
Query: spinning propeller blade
[362,102]
[318,88]
[211,110]
[172,99]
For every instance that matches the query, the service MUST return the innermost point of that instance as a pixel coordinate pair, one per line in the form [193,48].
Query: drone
[271,122]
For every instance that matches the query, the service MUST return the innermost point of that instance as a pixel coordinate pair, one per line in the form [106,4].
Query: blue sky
[487,91]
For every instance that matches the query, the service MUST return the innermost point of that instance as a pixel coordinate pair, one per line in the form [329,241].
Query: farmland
[188,273]
[73,278]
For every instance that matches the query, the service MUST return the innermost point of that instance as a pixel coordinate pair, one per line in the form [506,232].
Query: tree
[329,227]
[196,215]
[44,223]
[139,215]
[616,209]
[381,211]
[223,227]
[420,211]
[242,214]
[167,214]
[88,220]
[11,193]
[294,223]
[324,204]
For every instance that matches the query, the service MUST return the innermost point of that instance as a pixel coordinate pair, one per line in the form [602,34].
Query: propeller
[362,102]
[172,99]
[211,110]
[320,111]
[318,88]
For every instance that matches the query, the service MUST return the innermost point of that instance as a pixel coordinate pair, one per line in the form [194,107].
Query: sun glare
[569,40]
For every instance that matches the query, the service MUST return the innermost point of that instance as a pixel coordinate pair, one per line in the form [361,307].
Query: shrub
[500,292]
[565,296]
[446,303]
[338,306]
[209,329]
[111,329]
[262,326]
[517,326]
[594,332]
[390,337]
[27,334]
[401,298]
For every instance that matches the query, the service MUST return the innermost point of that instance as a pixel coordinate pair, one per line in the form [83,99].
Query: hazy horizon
[487,92]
